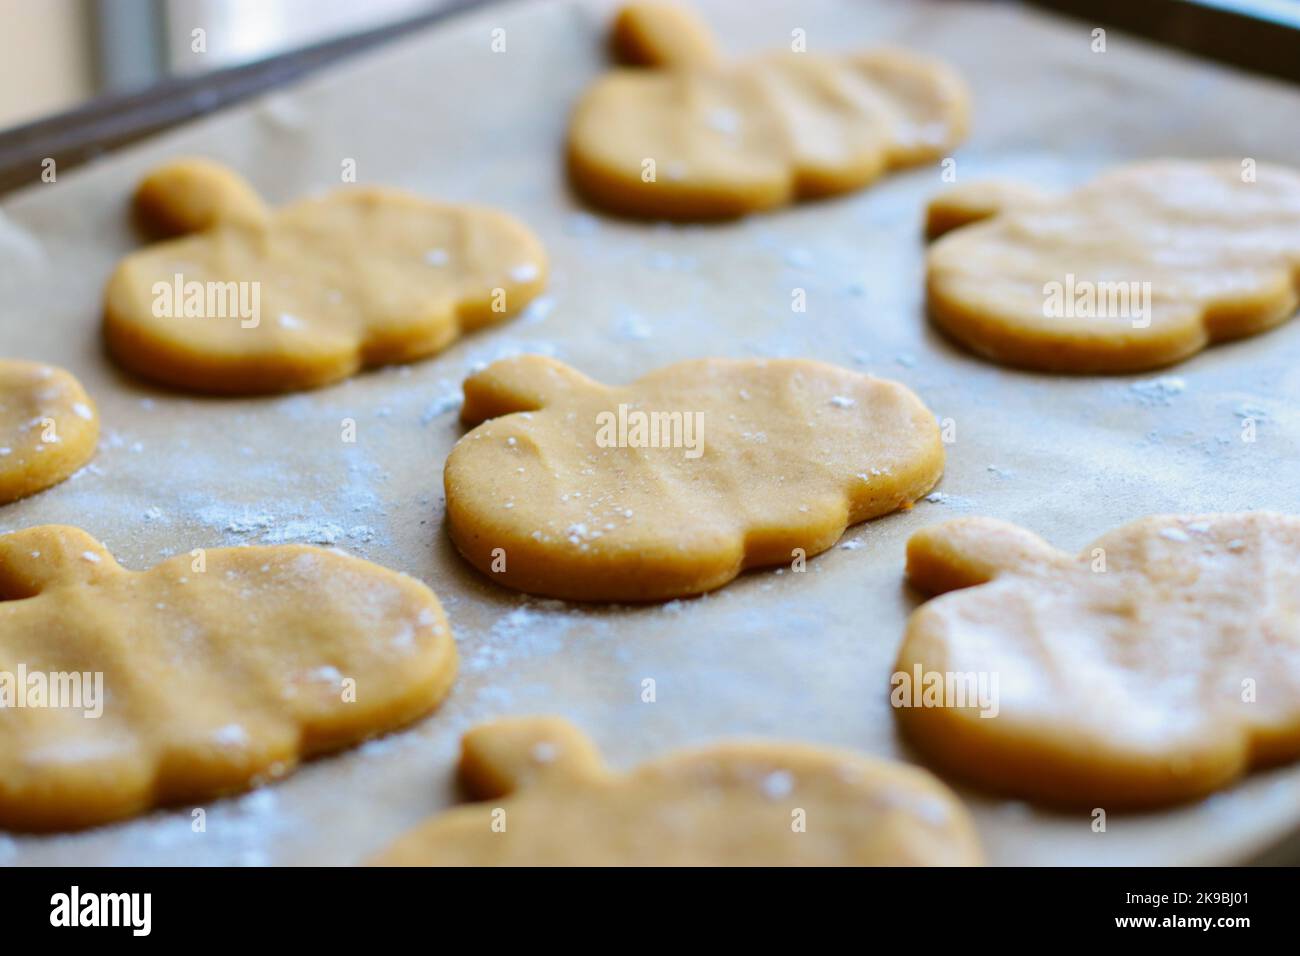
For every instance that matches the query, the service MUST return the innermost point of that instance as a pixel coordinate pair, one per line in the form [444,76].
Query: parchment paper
[802,656]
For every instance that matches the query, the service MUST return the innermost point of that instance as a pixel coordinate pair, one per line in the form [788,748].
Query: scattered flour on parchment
[1158,391]
[1246,410]
[632,327]
[536,312]
[483,356]
[265,528]
[238,831]
[582,224]
[535,628]
[943,498]
[449,399]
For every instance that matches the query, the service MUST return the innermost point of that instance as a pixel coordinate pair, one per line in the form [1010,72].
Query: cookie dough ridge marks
[1159,665]
[683,135]
[1140,268]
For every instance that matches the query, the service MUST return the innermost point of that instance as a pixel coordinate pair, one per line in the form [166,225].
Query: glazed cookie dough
[1139,268]
[553,802]
[685,136]
[48,428]
[673,485]
[1160,664]
[209,673]
[254,301]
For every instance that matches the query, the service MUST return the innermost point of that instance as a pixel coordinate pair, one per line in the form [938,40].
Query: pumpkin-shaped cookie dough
[48,427]
[552,802]
[686,136]
[204,675]
[1160,664]
[254,300]
[1142,267]
[673,485]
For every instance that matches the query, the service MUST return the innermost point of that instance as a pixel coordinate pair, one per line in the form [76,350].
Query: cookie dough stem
[662,34]
[971,202]
[524,383]
[190,195]
[503,756]
[32,558]
[971,551]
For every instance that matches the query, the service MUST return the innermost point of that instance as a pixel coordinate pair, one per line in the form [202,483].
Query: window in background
[55,54]
[44,61]
[238,31]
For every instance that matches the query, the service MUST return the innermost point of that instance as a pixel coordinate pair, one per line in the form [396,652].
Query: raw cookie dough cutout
[553,802]
[686,136]
[673,485]
[1140,268]
[253,300]
[1159,665]
[219,670]
[48,427]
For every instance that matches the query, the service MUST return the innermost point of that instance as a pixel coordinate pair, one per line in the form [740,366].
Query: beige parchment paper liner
[804,656]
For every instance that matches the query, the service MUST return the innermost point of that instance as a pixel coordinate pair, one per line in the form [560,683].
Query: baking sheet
[801,656]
